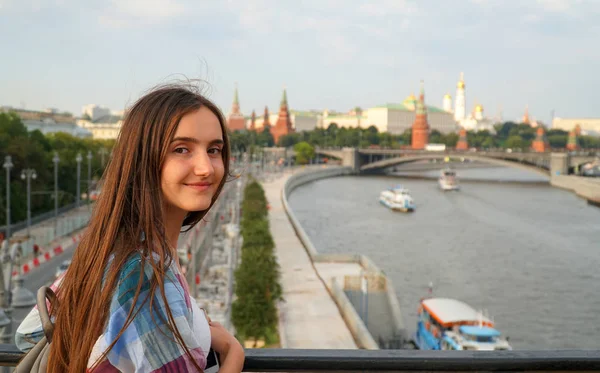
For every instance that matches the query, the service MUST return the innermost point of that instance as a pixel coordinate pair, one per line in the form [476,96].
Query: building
[49,121]
[283,126]
[105,128]
[235,120]
[473,121]
[463,142]
[94,112]
[420,127]
[589,126]
[396,118]
[540,144]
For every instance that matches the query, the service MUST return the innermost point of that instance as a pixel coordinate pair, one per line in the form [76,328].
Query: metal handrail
[296,360]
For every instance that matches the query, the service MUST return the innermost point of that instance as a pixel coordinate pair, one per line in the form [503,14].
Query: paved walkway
[309,318]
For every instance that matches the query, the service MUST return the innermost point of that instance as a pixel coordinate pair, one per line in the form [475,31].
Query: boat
[397,198]
[448,180]
[450,324]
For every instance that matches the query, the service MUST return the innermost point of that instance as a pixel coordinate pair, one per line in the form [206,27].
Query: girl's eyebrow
[196,141]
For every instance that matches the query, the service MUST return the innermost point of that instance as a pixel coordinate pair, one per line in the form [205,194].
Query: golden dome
[411,97]
[460,84]
[479,108]
[447,95]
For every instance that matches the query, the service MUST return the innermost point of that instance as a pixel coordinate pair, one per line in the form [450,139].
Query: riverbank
[308,317]
[363,294]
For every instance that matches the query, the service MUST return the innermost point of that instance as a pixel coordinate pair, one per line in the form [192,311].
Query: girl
[123,304]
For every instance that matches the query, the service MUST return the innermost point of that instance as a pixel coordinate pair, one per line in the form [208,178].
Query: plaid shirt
[146,345]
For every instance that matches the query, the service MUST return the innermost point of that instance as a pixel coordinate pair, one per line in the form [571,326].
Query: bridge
[378,160]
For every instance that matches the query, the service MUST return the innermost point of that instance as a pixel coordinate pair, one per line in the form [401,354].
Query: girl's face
[193,167]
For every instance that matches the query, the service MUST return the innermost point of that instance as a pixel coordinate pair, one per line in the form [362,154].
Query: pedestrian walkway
[309,317]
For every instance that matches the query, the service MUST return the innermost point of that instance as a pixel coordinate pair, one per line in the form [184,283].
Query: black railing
[290,360]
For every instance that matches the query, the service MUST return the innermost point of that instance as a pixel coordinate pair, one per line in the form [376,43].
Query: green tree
[304,152]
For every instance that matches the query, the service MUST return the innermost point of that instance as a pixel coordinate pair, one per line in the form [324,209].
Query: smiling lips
[199,186]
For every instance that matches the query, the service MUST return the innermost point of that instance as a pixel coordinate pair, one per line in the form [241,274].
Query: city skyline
[329,54]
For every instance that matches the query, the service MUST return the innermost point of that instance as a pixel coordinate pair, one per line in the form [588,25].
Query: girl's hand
[228,347]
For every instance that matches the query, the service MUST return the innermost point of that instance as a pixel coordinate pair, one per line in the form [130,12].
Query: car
[62,268]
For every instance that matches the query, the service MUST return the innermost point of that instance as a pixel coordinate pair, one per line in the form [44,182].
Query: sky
[328,54]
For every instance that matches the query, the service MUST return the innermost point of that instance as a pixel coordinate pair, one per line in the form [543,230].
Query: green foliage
[254,312]
[335,136]
[35,150]
[304,152]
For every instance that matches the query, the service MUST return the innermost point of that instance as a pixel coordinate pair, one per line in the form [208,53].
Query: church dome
[447,95]
[411,97]
[460,84]
[479,108]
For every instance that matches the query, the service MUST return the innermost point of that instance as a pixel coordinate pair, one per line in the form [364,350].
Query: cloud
[126,13]
[557,5]
[388,7]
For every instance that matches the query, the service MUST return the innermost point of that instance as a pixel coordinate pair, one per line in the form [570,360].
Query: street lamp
[89,184]
[8,165]
[55,159]
[28,174]
[78,159]
[13,297]
[103,152]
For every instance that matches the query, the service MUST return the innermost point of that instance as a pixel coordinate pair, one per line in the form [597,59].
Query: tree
[304,152]
[515,141]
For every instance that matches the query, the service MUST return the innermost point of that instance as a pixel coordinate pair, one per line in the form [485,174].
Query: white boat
[448,180]
[397,198]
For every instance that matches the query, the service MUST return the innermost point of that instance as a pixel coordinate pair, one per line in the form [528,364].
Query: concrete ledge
[585,187]
[353,320]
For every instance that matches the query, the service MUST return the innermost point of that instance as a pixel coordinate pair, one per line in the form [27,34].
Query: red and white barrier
[48,255]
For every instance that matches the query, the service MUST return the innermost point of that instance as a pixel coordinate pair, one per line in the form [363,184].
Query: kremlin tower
[540,144]
[284,123]
[235,120]
[462,143]
[266,123]
[572,143]
[460,103]
[420,127]
[526,119]
[253,121]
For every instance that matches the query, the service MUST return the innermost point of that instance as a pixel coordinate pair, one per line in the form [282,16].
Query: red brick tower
[540,144]
[573,143]
[462,143]
[284,123]
[235,120]
[253,121]
[420,128]
[266,123]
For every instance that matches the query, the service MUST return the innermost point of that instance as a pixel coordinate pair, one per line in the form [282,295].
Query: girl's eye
[181,150]
[214,151]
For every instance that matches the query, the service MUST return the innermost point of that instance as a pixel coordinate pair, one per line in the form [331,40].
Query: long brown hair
[129,207]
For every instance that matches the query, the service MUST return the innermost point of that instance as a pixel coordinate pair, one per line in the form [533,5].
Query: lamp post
[89,183]
[55,159]
[28,174]
[103,152]
[78,159]
[14,296]
[8,165]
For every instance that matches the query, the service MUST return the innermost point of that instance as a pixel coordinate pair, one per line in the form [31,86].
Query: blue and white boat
[449,324]
[397,198]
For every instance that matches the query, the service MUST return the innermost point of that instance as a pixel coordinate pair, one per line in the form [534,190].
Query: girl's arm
[230,350]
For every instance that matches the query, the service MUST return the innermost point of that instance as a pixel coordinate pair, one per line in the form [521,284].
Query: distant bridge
[377,160]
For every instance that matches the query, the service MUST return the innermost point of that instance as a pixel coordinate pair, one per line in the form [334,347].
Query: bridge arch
[380,165]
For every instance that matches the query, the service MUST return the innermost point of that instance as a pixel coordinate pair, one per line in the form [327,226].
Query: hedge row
[257,289]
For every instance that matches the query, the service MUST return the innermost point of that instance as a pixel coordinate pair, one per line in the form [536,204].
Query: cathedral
[475,120]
